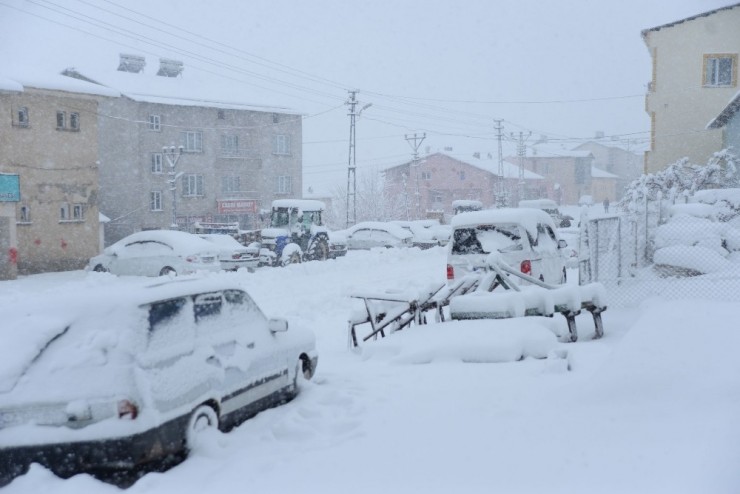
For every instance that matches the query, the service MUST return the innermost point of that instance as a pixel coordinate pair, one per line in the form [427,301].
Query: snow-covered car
[371,234]
[337,244]
[525,239]
[550,207]
[119,378]
[422,235]
[231,254]
[157,253]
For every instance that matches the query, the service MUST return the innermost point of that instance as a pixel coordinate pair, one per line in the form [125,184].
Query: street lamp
[173,155]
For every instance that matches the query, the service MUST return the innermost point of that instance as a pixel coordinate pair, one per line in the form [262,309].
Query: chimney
[131,63]
[169,67]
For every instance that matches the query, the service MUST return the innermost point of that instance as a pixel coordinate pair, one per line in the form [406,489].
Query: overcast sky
[446,68]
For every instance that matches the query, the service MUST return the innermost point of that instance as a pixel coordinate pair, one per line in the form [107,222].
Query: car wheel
[202,420]
[167,271]
[100,269]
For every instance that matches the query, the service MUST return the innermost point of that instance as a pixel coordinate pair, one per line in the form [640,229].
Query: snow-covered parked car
[694,242]
[372,234]
[337,244]
[115,379]
[231,254]
[422,235]
[157,253]
[525,239]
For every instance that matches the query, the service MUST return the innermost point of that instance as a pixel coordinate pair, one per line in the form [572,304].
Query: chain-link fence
[652,253]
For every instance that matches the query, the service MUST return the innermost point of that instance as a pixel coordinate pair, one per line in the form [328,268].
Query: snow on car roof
[527,217]
[392,228]
[538,204]
[303,204]
[222,240]
[181,242]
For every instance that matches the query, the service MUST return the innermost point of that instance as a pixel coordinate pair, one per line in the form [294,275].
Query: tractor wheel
[319,251]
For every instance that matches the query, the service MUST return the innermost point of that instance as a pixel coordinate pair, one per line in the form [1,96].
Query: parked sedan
[103,381]
[370,234]
[231,254]
[157,253]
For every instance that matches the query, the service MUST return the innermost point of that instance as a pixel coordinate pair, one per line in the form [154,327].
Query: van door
[551,264]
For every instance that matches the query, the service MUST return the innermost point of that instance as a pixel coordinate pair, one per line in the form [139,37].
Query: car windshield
[484,239]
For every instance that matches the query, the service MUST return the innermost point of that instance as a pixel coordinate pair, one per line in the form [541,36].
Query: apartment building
[178,150]
[695,76]
[48,148]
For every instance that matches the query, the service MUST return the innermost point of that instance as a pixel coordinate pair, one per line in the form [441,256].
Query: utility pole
[521,152]
[415,146]
[500,193]
[173,156]
[352,164]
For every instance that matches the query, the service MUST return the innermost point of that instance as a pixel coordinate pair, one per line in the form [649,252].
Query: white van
[525,238]
[550,207]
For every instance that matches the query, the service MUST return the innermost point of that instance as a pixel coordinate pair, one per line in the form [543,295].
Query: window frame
[193,185]
[281,145]
[712,78]
[283,184]
[61,120]
[155,199]
[24,214]
[230,183]
[21,117]
[191,141]
[155,122]
[157,163]
[74,122]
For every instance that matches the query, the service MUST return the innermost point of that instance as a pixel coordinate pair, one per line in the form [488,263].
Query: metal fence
[618,251]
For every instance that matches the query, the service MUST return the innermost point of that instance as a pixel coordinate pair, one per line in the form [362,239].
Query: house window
[221,115]
[155,123]
[21,116]
[284,185]
[192,141]
[426,175]
[720,70]
[192,185]
[61,120]
[229,145]
[156,162]
[275,118]
[24,214]
[281,144]
[230,184]
[74,121]
[78,212]
[155,200]
[461,175]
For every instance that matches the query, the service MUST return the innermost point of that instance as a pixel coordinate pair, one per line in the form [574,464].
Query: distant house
[604,185]
[623,165]
[428,188]
[567,172]
[48,138]
[177,150]
[728,121]
[695,74]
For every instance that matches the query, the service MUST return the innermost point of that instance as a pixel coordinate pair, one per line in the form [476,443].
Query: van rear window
[484,239]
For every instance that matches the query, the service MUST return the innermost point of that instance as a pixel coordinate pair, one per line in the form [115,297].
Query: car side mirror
[277,325]
[562,244]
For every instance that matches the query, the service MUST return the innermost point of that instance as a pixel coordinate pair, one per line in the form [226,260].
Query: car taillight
[450,272]
[127,410]
[526,267]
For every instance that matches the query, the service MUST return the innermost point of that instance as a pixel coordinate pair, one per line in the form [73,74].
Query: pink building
[427,189]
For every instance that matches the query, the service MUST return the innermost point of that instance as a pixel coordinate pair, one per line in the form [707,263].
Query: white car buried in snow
[157,253]
[118,380]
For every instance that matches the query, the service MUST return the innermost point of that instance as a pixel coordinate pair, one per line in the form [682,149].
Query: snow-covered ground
[652,407]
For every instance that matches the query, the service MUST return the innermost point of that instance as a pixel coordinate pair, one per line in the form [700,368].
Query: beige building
[622,166]
[48,138]
[695,76]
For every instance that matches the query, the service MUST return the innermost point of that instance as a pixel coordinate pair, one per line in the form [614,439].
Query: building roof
[556,151]
[510,169]
[599,173]
[38,79]
[645,32]
[726,114]
[187,88]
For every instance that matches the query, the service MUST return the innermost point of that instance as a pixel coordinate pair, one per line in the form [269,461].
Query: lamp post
[173,155]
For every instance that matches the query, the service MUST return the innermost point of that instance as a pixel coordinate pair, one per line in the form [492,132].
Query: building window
[284,185]
[192,141]
[156,162]
[61,120]
[74,121]
[24,214]
[275,118]
[426,175]
[192,185]
[230,184]
[155,201]
[64,212]
[461,175]
[155,123]
[21,117]
[78,212]
[720,70]
[229,145]
[281,144]
[221,115]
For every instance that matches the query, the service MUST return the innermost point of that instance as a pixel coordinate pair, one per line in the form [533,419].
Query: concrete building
[426,189]
[567,172]
[186,150]
[728,121]
[695,74]
[621,165]
[48,139]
